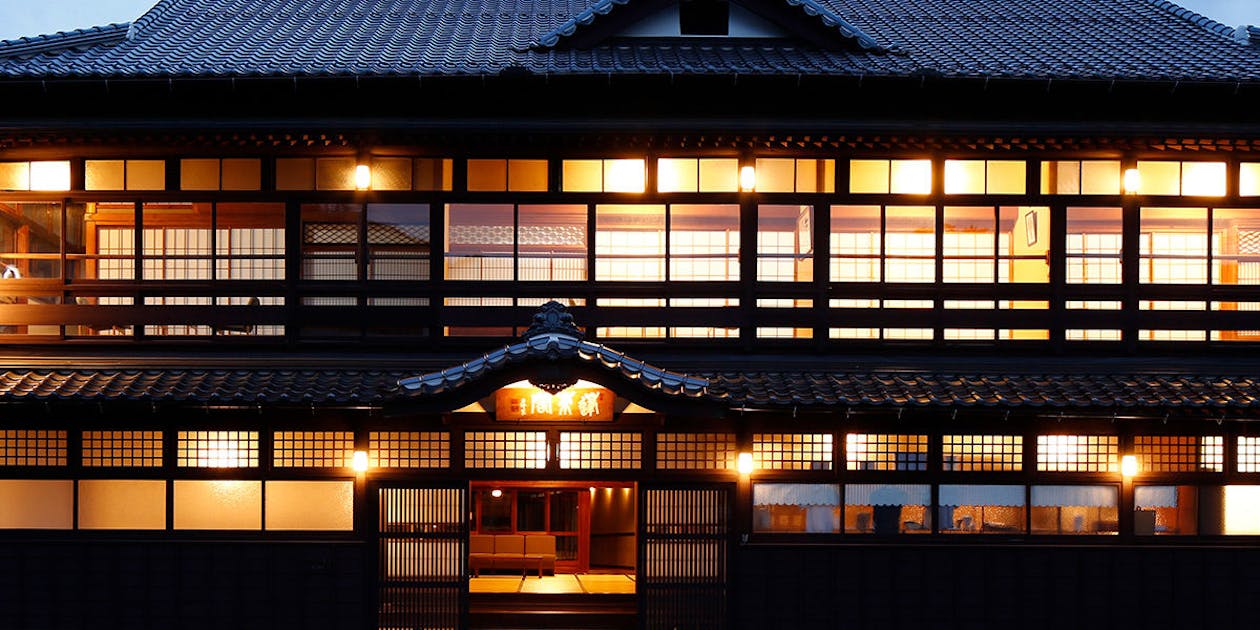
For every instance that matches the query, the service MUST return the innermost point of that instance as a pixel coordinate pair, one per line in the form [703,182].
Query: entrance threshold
[559,584]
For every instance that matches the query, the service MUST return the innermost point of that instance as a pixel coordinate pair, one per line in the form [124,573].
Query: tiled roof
[1039,39]
[812,389]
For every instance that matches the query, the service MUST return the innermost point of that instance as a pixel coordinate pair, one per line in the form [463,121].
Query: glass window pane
[911,177]
[30,240]
[1023,244]
[496,512]
[531,511]
[796,507]
[51,175]
[1093,245]
[776,175]
[981,509]
[855,243]
[1249,180]
[199,174]
[719,175]
[241,174]
[105,174]
[330,241]
[1160,178]
[295,174]
[176,242]
[785,243]
[17,176]
[398,241]
[704,242]
[487,175]
[1235,246]
[1205,179]
[551,242]
[1075,509]
[1006,177]
[1100,177]
[813,176]
[628,176]
[964,177]
[1060,177]
[527,175]
[564,512]
[1174,246]
[677,175]
[630,242]
[101,240]
[391,173]
[1166,510]
[146,175]
[479,241]
[868,176]
[910,244]
[970,244]
[218,504]
[122,504]
[334,173]
[432,174]
[1241,507]
[310,505]
[36,504]
[582,176]
[887,509]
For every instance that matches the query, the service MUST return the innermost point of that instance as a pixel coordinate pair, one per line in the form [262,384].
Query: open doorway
[552,538]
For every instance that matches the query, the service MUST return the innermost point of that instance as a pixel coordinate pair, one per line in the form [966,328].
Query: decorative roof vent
[1248,35]
[553,317]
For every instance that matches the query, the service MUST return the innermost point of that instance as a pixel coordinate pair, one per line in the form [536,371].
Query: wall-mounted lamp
[744,464]
[1129,466]
[1132,181]
[360,462]
[496,493]
[362,177]
[748,179]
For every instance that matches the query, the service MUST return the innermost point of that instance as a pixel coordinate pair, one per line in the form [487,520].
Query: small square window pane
[105,174]
[527,175]
[964,177]
[868,176]
[432,174]
[1160,178]
[776,175]
[487,175]
[677,175]
[1100,177]
[1205,179]
[719,175]
[146,175]
[242,174]
[199,174]
[1006,177]
[15,176]
[334,173]
[295,174]
[1249,180]
[391,174]
[583,176]
[911,177]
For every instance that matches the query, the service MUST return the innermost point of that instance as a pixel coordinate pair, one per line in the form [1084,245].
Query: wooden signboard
[575,404]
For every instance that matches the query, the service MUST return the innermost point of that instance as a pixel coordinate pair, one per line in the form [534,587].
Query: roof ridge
[1198,19]
[62,40]
[811,8]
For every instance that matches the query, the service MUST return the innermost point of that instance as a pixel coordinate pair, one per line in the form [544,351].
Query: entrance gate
[684,546]
[422,536]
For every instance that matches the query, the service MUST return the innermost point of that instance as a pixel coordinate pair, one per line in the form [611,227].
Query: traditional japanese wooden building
[687,314]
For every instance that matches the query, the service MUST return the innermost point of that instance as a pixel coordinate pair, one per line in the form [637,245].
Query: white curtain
[1076,496]
[986,495]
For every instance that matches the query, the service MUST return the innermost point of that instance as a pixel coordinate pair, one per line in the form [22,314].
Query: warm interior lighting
[744,464]
[1204,179]
[1129,466]
[1132,181]
[624,176]
[360,462]
[362,177]
[50,176]
[496,493]
[748,178]
[912,177]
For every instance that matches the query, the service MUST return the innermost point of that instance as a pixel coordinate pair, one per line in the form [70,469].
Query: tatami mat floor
[561,583]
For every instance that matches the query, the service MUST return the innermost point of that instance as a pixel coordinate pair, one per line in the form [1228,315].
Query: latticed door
[683,556]
[422,536]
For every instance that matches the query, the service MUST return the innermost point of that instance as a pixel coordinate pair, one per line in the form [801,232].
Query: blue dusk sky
[19,18]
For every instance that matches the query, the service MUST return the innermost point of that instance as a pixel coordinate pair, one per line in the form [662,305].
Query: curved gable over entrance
[552,355]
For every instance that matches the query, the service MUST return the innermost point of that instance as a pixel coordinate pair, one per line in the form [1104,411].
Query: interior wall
[612,528]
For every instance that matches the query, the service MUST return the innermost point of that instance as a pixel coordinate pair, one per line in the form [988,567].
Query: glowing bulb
[362,177]
[1132,181]
[360,462]
[748,179]
[496,493]
[744,464]
[592,489]
[1129,465]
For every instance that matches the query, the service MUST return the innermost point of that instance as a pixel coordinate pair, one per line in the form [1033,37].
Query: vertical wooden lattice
[422,549]
[683,557]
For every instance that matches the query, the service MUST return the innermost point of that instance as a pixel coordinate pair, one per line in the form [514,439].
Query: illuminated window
[630,243]
[391,173]
[1179,453]
[1174,246]
[855,243]
[1249,180]
[1191,179]
[122,504]
[1093,334]
[977,177]
[983,452]
[785,243]
[218,504]
[217,449]
[222,174]
[1242,510]
[312,449]
[1093,245]
[409,449]
[507,175]
[910,244]
[1166,510]
[505,449]
[22,447]
[695,451]
[785,175]
[335,173]
[432,174]
[1248,454]
[1007,244]
[792,451]
[1235,243]
[1078,453]
[621,175]
[600,451]
[697,175]
[704,243]
[981,509]
[887,508]
[1079,510]
[908,177]
[142,449]
[1074,177]
[1171,335]
[870,451]
[330,241]
[35,176]
[812,508]
[309,505]
[398,241]
[36,504]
